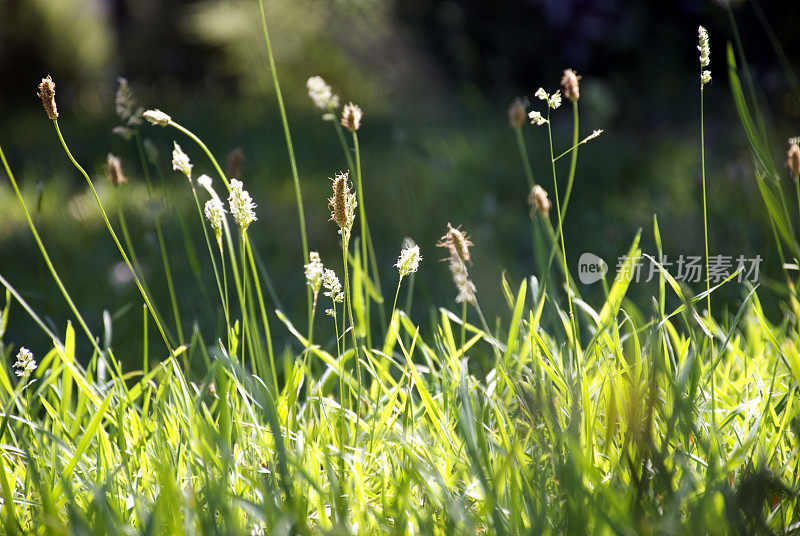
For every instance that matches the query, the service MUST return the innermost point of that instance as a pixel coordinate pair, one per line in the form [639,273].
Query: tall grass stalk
[113,234]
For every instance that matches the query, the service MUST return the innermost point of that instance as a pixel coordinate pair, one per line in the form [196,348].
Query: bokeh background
[435,78]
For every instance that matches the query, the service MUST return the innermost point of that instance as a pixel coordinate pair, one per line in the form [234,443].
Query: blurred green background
[434,79]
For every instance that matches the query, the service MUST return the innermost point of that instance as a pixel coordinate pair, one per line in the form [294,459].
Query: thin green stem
[364,239]
[288,136]
[114,236]
[705,209]
[265,319]
[561,236]
[348,300]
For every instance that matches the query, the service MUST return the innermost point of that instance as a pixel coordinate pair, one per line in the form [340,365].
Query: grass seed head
[351,117]
[321,93]
[793,158]
[569,84]
[47,92]
[457,242]
[343,202]
[25,363]
[516,112]
[125,104]
[408,261]
[241,205]
[114,170]
[539,201]
[314,271]
[181,162]
[157,117]
[215,212]
[464,285]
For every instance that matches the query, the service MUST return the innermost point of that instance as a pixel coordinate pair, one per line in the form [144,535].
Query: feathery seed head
[457,242]
[593,135]
[314,272]
[47,92]
[351,117]
[537,118]
[541,94]
[125,104]
[343,202]
[114,170]
[215,212]
[25,363]
[793,157]
[555,100]
[408,261]
[181,162]
[516,112]
[242,206]
[704,48]
[539,201]
[569,84]
[321,93]
[157,117]
[705,77]
[464,285]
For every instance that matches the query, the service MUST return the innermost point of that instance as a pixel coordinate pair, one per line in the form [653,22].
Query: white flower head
[541,94]
[408,261]
[215,212]
[705,77]
[593,135]
[314,272]
[555,100]
[704,48]
[333,288]
[537,118]
[25,363]
[242,206]
[321,93]
[157,117]
[181,162]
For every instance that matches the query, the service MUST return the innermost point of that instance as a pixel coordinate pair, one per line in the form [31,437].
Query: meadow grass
[564,417]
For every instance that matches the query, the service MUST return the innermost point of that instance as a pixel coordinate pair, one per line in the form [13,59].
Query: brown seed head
[457,242]
[114,170]
[47,92]
[351,117]
[569,85]
[338,201]
[516,113]
[235,159]
[793,160]
[539,201]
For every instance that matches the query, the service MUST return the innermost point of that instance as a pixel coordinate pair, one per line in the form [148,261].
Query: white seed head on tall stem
[157,117]
[705,55]
[333,288]
[314,271]
[408,261]
[351,117]
[215,212]
[321,93]
[241,205]
[181,162]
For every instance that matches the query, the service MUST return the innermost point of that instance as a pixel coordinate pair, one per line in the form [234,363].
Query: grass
[563,417]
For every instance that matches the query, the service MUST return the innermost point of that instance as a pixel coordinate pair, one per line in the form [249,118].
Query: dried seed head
[569,85]
[47,92]
[157,117]
[235,159]
[516,112]
[408,261]
[181,162]
[351,117]
[457,242]
[793,158]
[343,202]
[242,206]
[539,201]
[314,272]
[114,170]
[25,363]
[125,104]
[321,93]
[464,285]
